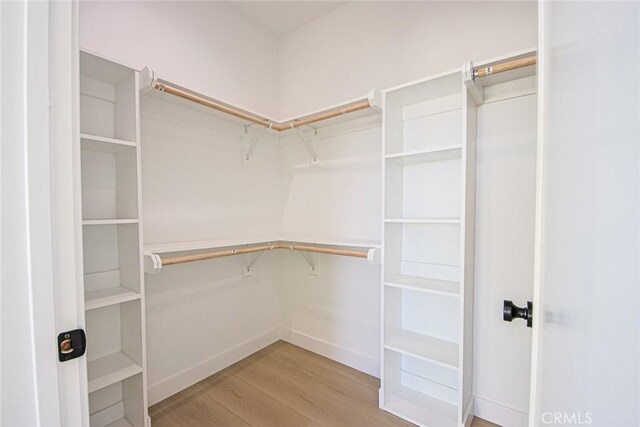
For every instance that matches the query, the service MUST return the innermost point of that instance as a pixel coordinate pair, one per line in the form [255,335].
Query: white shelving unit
[427,251]
[112,242]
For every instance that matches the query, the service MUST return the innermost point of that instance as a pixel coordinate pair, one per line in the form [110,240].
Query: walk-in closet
[321,213]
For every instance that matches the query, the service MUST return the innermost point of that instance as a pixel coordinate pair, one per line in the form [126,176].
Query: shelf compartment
[423,250]
[418,187]
[109,296]
[421,409]
[108,99]
[103,144]
[115,336]
[109,184]
[422,324]
[119,404]
[431,349]
[111,257]
[425,115]
[423,284]
[110,369]
[419,391]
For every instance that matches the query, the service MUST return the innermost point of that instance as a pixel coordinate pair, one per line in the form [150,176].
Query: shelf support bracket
[313,264]
[248,263]
[249,143]
[474,86]
[307,141]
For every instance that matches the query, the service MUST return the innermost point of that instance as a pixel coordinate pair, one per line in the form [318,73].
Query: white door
[586,354]
[39,227]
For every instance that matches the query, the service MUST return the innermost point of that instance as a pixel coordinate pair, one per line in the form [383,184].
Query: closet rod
[504,66]
[349,108]
[241,251]
[164,87]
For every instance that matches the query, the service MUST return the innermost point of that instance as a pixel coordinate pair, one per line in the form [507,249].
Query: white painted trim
[177,382]
[333,351]
[537,250]
[499,414]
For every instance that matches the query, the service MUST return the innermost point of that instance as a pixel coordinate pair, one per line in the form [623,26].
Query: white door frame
[39,236]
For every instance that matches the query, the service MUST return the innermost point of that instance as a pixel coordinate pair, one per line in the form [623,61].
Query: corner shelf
[109,296]
[422,347]
[111,369]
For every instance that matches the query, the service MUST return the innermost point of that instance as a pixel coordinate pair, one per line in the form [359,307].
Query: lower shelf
[108,296]
[420,409]
[122,422]
[434,350]
[423,284]
[110,369]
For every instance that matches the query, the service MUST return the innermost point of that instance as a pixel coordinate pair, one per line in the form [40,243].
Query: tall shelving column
[428,244]
[112,242]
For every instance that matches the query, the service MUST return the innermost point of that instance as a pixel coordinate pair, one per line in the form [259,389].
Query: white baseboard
[177,382]
[348,357]
[499,414]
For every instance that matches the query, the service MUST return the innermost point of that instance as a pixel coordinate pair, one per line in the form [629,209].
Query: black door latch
[71,344]
[510,312]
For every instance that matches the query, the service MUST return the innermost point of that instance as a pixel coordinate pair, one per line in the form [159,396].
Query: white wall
[206,46]
[336,313]
[203,316]
[365,45]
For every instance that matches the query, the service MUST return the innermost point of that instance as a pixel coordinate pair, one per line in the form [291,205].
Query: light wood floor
[281,385]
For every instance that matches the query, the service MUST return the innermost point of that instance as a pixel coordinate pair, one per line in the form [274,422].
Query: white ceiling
[283,17]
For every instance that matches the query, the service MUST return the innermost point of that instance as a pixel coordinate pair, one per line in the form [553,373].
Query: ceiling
[283,17]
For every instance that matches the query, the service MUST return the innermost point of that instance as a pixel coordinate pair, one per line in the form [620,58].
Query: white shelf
[108,296]
[425,156]
[420,346]
[163,248]
[110,369]
[103,144]
[109,221]
[122,422]
[422,220]
[420,408]
[423,284]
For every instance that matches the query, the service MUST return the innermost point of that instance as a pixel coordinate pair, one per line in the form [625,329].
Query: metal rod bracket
[250,142]
[473,84]
[312,261]
[248,262]
[315,161]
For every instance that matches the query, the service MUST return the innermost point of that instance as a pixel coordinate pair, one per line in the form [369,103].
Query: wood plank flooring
[282,385]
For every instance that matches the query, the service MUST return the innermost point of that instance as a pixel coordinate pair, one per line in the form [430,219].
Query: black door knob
[511,311]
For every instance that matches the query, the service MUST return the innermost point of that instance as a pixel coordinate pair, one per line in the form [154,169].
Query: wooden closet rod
[230,252]
[349,108]
[505,66]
